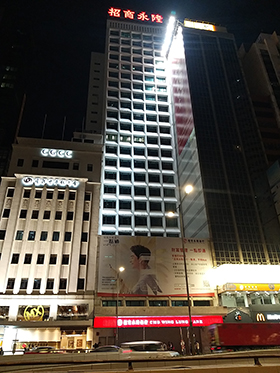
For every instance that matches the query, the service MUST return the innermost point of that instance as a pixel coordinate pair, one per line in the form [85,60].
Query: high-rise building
[261,67]
[219,148]
[139,183]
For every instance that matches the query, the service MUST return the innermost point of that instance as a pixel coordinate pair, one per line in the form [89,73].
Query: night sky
[61,35]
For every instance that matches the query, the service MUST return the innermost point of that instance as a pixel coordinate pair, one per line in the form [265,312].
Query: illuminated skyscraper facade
[139,167]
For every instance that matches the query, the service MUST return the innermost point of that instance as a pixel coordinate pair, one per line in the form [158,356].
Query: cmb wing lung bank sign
[153,266]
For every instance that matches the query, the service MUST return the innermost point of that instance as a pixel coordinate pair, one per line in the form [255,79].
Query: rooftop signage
[132,15]
[59,153]
[155,321]
[49,181]
[199,25]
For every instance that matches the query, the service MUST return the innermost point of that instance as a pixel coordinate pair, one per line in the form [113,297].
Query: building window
[108,204]
[179,303]
[72,196]
[154,192]
[60,195]
[140,220]
[83,259]
[15,259]
[70,215]
[135,303]
[81,284]
[10,283]
[124,220]
[49,194]
[171,222]
[44,236]
[140,205]
[31,235]
[90,167]
[20,162]
[139,177]
[125,190]
[109,219]
[168,179]
[19,235]
[84,237]
[65,259]
[76,166]
[55,236]
[35,214]
[27,259]
[23,214]
[38,194]
[156,222]
[26,193]
[58,215]
[110,189]
[62,284]
[154,178]
[125,205]
[35,163]
[158,303]
[40,258]
[53,259]
[67,236]
[87,196]
[2,234]
[139,191]
[6,213]
[50,283]
[23,283]
[37,284]
[169,192]
[155,206]
[10,192]
[47,215]
[86,216]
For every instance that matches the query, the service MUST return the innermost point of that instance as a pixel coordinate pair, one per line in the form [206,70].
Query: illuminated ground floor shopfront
[163,328]
[60,321]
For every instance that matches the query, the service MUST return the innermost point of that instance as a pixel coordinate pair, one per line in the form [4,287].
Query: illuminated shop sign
[130,14]
[266,316]
[60,153]
[251,287]
[260,317]
[49,181]
[199,25]
[155,321]
[32,313]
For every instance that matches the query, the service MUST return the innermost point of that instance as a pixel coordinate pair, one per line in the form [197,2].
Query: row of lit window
[136,95]
[126,163]
[153,140]
[137,116]
[49,285]
[134,43]
[136,106]
[139,77]
[127,58]
[149,128]
[139,205]
[41,259]
[136,86]
[127,231]
[155,303]
[139,191]
[140,221]
[136,36]
[54,164]
[44,235]
[128,176]
[139,68]
[152,165]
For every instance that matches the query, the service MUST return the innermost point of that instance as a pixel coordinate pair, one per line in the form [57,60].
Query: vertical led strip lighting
[168,36]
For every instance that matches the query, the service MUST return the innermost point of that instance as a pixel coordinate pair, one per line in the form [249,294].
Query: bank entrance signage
[59,153]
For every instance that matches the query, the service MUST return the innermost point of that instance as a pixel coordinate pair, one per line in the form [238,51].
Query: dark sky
[62,33]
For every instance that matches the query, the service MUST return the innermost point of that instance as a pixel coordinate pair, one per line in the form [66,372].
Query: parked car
[44,350]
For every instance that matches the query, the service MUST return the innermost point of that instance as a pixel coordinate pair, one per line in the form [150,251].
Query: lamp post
[188,190]
[120,269]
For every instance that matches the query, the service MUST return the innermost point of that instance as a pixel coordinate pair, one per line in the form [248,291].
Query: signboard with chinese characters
[137,16]
[153,266]
[155,321]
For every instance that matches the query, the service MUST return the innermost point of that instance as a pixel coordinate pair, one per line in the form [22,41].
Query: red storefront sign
[129,14]
[155,321]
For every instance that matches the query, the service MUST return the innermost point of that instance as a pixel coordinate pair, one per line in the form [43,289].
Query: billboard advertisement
[153,266]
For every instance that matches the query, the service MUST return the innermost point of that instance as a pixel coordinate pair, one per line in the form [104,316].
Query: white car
[134,350]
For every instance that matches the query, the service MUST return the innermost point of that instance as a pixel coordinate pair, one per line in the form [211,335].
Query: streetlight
[188,189]
[120,270]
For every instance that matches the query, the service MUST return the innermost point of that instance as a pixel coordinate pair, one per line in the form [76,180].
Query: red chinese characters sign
[129,14]
[155,321]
